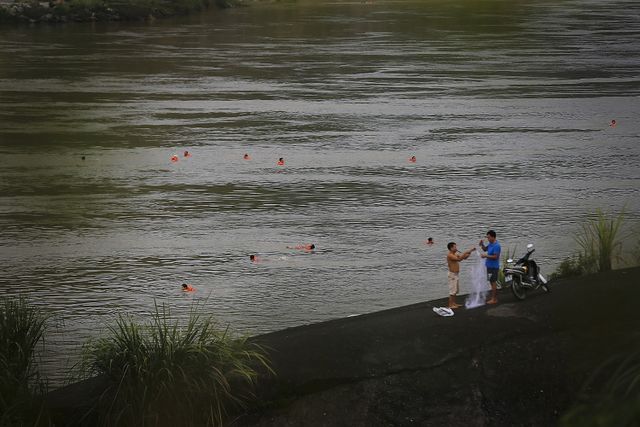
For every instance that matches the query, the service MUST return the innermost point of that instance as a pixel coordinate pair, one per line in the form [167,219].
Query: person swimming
[412,159]
[254,258]
[429,241]
[280,161]
[187,154]
[613,123]
[187,288]
[246,156]
[308,247]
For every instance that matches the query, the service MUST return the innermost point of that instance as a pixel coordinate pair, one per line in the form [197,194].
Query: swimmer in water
[613,123]
[280,162]
[187,154]
[254,258]
[187,288]
[430,241]
[307,248]
[246,156]
[412,159]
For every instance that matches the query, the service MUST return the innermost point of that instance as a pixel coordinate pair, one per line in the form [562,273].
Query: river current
[505,104]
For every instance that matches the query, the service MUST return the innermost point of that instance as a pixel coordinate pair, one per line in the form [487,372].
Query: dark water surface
[505,104]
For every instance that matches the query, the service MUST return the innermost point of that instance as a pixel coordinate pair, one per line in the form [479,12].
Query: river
[505,104]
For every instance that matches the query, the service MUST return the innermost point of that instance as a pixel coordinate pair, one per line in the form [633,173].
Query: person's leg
[453,289]
[494,293]
[493,279]
[452,301]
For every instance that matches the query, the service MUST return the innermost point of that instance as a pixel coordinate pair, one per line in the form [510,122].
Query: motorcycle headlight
[525,268]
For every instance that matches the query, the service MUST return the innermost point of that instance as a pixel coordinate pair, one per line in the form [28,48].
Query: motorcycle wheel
[518,290]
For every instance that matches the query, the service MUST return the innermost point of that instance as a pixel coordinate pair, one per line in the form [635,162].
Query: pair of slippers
[443,311]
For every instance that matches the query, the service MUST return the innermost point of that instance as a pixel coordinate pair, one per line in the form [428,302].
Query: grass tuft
[167,374]
[21,330]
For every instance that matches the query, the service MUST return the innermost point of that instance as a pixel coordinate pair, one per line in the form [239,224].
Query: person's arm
[484,248]
[466,254]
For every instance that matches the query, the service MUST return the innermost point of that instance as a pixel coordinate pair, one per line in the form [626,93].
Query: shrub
[577,265]
[598,239]
[162,374]
[21,329]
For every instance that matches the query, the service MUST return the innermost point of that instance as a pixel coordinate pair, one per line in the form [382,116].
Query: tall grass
[165,374]
[21,330]
[598,239]
[611,396]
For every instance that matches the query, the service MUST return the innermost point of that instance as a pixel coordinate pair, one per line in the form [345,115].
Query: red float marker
[412,159]
[174,159]
[280,162]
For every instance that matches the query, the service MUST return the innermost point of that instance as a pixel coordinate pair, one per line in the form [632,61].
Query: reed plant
[22,328]
[167,374]
[598,240]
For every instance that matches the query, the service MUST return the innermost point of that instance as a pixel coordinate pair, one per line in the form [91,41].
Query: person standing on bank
[492,263]
[453,276]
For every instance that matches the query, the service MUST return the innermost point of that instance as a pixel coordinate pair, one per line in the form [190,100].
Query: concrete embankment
[512,364]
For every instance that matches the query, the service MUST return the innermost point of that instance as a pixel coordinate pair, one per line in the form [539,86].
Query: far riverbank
[61,11]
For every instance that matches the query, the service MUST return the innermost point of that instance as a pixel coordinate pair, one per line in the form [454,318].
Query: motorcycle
[525,275]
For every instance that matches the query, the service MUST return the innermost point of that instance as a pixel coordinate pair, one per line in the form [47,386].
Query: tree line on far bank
[58,11]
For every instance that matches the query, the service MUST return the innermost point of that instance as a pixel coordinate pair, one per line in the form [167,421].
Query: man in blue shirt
[492,263]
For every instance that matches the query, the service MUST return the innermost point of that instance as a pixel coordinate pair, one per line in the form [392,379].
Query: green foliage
[598,239]
[507,254]
[573,266]
[164,374]
[617,403]
[634,259]
[21,329]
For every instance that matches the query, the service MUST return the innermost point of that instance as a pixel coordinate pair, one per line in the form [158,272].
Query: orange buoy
[174,158]
[280,161]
